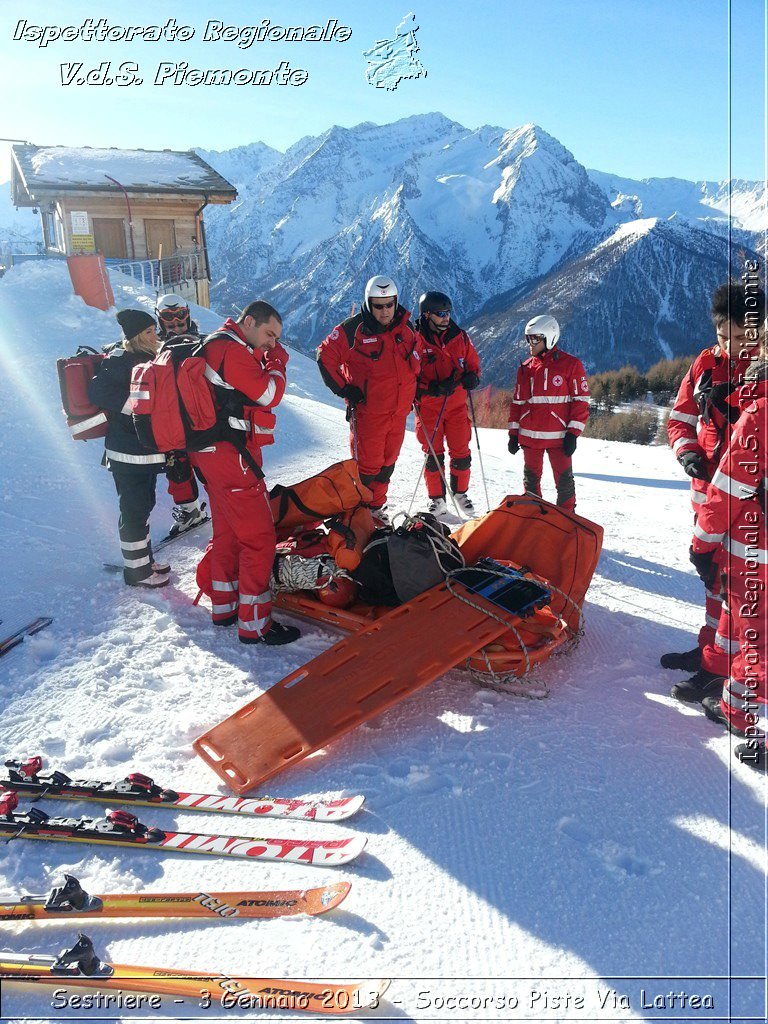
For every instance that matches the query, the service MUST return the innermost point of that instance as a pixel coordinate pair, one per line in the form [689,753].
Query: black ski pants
[136,493]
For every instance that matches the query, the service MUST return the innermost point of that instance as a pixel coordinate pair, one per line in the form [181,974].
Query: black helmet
[434,302]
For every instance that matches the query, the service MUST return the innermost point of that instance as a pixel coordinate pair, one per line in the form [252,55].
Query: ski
[80,967]
[27,778]
[9,642]
[121,828]
[71,900]
[169,538]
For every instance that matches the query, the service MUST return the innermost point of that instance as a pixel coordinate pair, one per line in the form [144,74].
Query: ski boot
[277,635]
[153,581]
[380,515]
[187,515]
[714,712]
[702,684]
[464,505]
[688,661]
[438,508]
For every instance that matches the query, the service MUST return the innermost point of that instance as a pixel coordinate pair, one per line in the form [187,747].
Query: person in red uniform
[177,328]
[698,430]
[245,356]
[450,367]
[371,360]
[549,410]
[730,536]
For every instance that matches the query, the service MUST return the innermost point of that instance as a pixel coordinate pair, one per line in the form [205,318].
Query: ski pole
[441,471]
[479,453]
[353,425]
[424,463]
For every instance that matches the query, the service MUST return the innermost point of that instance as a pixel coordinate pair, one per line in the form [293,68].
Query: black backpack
[399,564]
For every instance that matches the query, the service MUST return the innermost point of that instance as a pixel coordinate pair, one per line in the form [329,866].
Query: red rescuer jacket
[382,361]
[258,381]
[445,356]
[691,426]
[551,400]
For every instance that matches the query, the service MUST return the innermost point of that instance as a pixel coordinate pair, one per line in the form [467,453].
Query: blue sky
[637,87]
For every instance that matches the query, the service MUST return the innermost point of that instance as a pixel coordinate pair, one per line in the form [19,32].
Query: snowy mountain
[505,221]
[477,211]
[19,229]
[620,302]
[742,202]
[541,846]
[498,219]
[242,164]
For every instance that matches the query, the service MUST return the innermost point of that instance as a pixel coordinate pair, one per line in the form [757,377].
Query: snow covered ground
[579,857]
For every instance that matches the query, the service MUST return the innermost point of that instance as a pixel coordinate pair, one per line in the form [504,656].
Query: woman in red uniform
[549,410]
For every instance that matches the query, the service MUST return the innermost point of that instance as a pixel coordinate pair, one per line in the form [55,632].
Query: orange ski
[71,900]
[79,967]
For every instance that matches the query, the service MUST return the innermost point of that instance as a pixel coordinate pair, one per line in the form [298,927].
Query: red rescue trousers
[453,429]
[243,541]
[561,470]
[379,440]
[717,640]
[746,691]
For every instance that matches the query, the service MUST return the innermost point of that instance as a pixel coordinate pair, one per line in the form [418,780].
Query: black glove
[177,467]
[693,464]
[353,394]
[569,444]
[718,399]
[441,387]
[513,445]
[704,564]
[469,380]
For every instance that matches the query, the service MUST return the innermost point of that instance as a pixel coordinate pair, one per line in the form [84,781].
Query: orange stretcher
[394,652]
[356,679]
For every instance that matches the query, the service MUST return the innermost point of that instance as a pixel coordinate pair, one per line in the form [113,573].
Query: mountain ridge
[484,214]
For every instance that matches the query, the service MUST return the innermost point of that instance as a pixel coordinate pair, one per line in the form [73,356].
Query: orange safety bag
[348,536]
[337,489]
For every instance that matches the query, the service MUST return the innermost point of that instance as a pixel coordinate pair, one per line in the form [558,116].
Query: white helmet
[171,301]
[379,287]
[547,326]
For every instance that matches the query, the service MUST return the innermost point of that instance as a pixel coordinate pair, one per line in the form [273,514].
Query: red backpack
[179,403]
[172,401]
[84,419]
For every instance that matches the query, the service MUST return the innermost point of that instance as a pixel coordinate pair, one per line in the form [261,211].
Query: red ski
[28,778]
[120,828]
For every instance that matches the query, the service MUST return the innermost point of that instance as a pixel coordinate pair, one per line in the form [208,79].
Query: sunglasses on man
[441,313]
[534,339]
[383,305]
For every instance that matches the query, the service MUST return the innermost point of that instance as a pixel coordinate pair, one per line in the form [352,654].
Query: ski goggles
[383,305]
[440,312]
[177,315]
[534,339]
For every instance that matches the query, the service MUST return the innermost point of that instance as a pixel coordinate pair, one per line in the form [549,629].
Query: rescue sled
[387,657]
[556,547]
